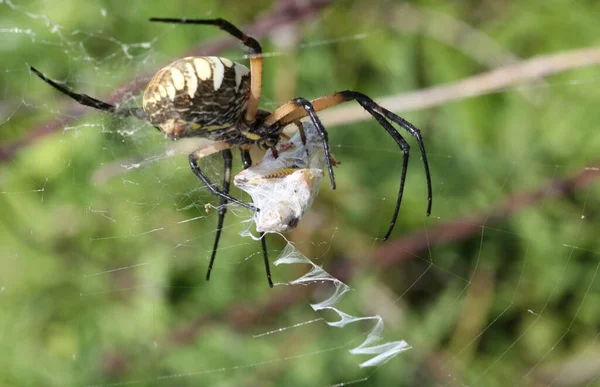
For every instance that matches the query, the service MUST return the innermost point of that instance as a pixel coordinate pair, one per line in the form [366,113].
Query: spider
[215,98]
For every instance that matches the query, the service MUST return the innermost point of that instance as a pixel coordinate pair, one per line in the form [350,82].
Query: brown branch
[285,12]
[465,227]
[494,80]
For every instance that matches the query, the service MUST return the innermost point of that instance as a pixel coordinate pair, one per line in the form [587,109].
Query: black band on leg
[364,101]
[266,258]
[86,100]
[211,186]
[251,43]
[405,150]
[83,99]
[227,158]
[246,159]
[310,110]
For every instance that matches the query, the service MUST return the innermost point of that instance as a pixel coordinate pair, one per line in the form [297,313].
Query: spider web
[106,235]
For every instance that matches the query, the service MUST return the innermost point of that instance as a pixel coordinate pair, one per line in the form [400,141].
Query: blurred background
[105,238]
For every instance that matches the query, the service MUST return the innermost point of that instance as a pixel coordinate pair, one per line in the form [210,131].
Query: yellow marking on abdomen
[240,71]
[178,79]
[191,79]
[218,72]
[226,62]
[203,69]
[161,91]
[171,92]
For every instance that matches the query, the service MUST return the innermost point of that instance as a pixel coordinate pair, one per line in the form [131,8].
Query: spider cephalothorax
[216,98]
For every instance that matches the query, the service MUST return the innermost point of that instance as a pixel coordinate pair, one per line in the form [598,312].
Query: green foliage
[102,267]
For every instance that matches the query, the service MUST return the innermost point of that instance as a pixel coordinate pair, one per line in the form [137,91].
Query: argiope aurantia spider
[217,99]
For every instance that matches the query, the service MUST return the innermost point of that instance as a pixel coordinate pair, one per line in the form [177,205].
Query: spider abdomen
[197,96]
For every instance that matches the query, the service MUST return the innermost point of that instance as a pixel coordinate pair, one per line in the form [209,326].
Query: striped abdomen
[197,96]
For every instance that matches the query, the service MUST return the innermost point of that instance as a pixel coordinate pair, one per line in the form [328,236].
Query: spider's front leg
[224,196]
[200,153]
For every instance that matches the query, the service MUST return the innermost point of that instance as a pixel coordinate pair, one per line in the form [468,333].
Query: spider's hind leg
[86,100]
[224,198]
[247,162]
[227,158]
[83,99]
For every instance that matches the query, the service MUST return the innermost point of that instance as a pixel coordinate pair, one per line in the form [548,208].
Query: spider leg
[193,158]
[310,110]
[405,151]
[86,100]
[255,53]
[365,102]
[227,158]
[223,194]
[263,243]
[291,112]
[302,132]
[247,161]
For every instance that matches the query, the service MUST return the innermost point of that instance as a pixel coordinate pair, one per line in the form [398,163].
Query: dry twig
[477,85]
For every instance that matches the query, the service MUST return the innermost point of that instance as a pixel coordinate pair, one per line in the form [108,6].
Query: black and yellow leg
[86,100]
[298,109]
[193,158]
